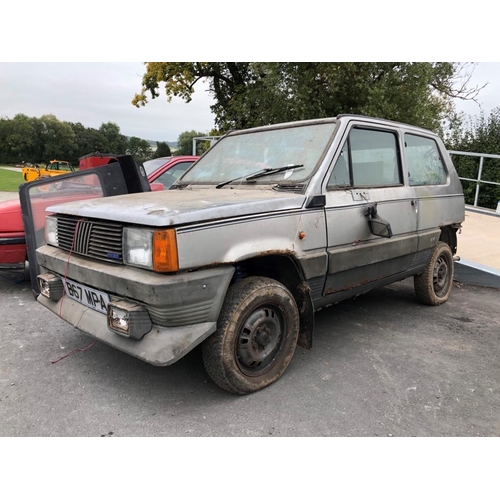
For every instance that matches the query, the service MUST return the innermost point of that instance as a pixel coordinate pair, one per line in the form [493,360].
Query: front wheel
[256,336]
[433,285]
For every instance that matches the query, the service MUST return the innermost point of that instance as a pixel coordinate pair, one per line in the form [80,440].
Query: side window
[374,156]
[179,169]
[172,174]
[425,165]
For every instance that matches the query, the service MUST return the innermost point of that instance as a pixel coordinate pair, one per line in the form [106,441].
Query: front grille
[95,238]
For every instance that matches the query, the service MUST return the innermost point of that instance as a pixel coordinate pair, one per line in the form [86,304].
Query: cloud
[95,93]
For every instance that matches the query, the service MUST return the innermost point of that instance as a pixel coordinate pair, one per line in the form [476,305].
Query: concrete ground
[5,195]
[381,365]
[479,239]
[13,169]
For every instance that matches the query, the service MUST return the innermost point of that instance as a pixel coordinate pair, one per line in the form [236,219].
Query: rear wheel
[256,337]
[433,286]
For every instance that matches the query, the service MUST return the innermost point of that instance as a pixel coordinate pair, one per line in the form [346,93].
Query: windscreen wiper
[259,173]
[225,183]
[271,171]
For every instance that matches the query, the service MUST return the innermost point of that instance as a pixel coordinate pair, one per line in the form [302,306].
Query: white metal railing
[212,138]
[478,179]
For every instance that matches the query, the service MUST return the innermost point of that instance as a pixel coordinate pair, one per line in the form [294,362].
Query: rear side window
[425,165]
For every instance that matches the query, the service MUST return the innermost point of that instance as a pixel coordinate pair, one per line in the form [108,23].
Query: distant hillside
[172,144]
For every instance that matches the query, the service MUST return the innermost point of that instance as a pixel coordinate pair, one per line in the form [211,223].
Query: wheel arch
[288,271]
[449,236]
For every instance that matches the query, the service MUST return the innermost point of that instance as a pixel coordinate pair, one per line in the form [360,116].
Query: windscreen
[243,154]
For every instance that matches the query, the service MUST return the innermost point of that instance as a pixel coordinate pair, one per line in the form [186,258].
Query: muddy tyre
[256,336]
[433,286]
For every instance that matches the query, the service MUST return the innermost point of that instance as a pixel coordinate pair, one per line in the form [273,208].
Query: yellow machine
[55,167]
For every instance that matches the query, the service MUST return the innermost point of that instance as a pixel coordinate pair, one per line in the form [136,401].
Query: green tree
[58,138]
[87,140]
[477,135]
[139,149]
[111,140]
[185,143]
[22,141]
[251,94]
[162,149]
[4,130]
[38,140]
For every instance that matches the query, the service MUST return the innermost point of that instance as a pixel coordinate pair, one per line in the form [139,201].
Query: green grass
[9,180]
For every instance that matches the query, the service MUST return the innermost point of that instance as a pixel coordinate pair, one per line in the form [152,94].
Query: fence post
[476,197]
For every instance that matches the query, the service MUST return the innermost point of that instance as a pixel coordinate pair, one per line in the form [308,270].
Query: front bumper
[160,347]
[183,307]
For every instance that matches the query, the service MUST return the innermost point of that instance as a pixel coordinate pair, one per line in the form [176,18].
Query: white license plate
[87,296]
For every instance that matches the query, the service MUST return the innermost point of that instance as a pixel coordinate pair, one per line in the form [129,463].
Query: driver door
[368,176]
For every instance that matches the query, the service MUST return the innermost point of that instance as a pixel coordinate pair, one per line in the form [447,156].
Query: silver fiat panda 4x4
[269,225]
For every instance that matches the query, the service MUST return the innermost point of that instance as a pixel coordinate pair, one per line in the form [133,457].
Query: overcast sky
[489,97]
[93,93]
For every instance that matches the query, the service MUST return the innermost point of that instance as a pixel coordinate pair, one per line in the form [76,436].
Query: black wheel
[256,336]
[433,285]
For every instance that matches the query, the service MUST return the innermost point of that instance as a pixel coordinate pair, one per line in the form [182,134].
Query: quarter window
[340,175]
[424,163]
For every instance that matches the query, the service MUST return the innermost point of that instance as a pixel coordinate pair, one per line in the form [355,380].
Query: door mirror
[378,226]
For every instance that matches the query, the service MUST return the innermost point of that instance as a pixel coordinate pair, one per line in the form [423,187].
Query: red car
[161,172]
[168,169]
